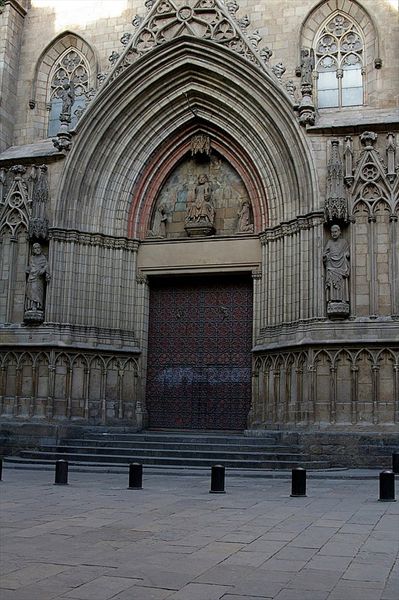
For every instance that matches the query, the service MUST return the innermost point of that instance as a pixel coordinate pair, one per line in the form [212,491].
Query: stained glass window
[339,54]
[70,68]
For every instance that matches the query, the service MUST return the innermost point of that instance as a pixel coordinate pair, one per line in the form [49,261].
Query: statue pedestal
[199,229]
[338,310]
[34,316]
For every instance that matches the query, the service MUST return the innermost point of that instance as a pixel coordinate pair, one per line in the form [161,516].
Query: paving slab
[96,540]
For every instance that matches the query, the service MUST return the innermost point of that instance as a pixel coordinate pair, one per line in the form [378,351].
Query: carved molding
[336,205]
[374,179]
[309,221]
[93,239]
[205,19]
[312,396]
[15,205]
[115,375]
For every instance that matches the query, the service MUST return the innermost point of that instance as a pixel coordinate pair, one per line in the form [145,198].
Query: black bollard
[61,472]
[135,476]
[387,486]
[1,468]
[395,463]
[298,482]
[217,480]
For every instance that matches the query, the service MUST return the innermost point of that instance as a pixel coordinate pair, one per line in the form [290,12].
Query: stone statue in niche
[307,66]
[200,213]
[245,224]
[336,261]
[38,274]
[68,98]
[160,221]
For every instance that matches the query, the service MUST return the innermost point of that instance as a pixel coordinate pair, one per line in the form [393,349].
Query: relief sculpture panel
[202,196]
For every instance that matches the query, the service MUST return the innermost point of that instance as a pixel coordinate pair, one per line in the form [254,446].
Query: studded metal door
[199,355]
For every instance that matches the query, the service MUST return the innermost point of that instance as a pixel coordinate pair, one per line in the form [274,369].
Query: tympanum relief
[202,197]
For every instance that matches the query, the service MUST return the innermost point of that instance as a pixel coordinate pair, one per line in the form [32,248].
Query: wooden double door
[199,352]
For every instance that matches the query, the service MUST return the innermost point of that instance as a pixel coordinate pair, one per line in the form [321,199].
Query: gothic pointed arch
[141,121]
[354,47]
[68,49]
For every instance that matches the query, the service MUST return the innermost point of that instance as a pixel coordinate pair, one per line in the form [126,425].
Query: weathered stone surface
[200,97]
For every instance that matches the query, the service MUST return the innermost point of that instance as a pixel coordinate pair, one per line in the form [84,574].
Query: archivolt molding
[183,85]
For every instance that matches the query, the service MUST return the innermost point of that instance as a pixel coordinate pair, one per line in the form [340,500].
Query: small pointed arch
[279,362]
[361,208]
[268,363]
[364,353]
[72,56]
[345,40]
[381,207]
[387,352]
[301,360]
[321,355]
[63,359]
[97,361]
[129,363]
[10,358]
[25,359]
[289,360]
[341,354]
[41,357]
[79,357]
[258,363]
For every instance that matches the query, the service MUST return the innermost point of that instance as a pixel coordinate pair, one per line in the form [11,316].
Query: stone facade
[162,138]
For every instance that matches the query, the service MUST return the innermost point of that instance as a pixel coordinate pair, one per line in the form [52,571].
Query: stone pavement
[96,540]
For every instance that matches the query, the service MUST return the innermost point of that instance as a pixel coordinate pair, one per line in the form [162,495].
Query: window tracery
[72,69]
[339,51]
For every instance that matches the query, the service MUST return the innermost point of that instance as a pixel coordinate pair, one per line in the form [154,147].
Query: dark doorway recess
[199,353]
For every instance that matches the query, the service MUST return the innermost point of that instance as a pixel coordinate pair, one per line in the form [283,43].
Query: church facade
[199,210]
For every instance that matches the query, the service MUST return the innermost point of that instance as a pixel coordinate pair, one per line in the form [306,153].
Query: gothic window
[72,69]
[339,52]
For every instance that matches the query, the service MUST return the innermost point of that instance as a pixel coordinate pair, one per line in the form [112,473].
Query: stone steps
[170,449]
[174,460]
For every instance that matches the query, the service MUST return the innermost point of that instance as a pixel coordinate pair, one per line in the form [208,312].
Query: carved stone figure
[38,275]
[244,219]
[307,66]
[336,260]
[68,98]
[279,70]
[160,221]
[201,209]
[290,87]
[266,54]
[200,214]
